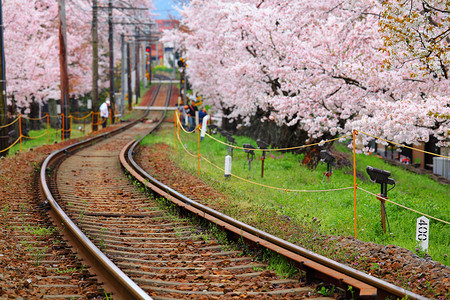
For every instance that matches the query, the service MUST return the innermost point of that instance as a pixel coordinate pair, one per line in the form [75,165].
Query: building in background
[164,54]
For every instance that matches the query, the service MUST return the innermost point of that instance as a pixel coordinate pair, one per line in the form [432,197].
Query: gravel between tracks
[396,265]
[21,277]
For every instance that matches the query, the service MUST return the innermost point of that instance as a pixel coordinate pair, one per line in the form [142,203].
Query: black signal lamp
[329,159]
[262,145]
[213,128]
[225,133]
[250,153]
[232,141]
[181,63]
[381,177]
[249,149]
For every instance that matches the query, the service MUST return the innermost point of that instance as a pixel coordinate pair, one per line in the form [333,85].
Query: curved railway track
[137,250]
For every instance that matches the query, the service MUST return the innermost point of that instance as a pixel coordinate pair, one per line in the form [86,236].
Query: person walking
[104,112]
[190,111]
[201,114]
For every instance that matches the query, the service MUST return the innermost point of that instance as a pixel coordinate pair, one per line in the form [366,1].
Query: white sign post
[423,232]
[204,127]
[227,166]
[197,121]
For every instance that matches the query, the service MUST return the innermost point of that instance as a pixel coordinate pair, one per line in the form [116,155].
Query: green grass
[78,130]
[162,69]
[334,211]
[53,137]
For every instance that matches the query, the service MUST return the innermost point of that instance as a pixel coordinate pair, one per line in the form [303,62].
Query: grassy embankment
[330,212]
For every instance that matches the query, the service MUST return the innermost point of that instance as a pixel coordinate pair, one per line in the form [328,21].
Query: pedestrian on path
[201,114]
[190,111]
[104,112]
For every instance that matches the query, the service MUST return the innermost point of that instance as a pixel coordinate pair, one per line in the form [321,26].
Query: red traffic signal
[147,49]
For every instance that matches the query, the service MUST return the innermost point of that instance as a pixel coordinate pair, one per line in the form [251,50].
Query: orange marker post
[355,186]
[198,147]
[48,129]
[20,131]
[383,212]
[70,127]
[63,133]
[176,128]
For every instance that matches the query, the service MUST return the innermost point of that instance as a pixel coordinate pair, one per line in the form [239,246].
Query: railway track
[137,250]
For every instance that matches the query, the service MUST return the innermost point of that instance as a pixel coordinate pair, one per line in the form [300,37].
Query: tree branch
[441,36]
[335,7]
[444,69]
[350,81]
[415,80]
[434,8]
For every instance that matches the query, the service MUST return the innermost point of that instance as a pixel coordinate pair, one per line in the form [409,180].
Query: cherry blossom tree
[416,38]
[32,46]
[315,65]
[418,31]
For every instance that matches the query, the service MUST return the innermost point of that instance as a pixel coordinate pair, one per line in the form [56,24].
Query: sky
[164,8]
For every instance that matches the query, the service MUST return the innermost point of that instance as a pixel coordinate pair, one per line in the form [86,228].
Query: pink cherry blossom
[32,46]
[317,65]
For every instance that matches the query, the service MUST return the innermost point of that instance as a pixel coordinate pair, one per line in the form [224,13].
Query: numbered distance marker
[423,232]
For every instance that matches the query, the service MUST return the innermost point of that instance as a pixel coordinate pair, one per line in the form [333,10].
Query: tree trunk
[3,103]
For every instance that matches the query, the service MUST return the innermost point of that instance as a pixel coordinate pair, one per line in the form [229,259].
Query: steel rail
[123,285]
[369,286]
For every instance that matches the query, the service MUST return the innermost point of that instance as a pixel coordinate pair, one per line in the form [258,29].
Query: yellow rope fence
[403,206]
[10,146]
[259,184]
[277,149]
[403,146]
[34,137]
[7,125]
[355,132]
[82,118]
[34,119]
[47,116]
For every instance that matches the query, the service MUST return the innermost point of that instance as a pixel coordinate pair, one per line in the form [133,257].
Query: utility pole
[136,60]
[95,105]
[150,66]
[174,64]
[111,52]
[111,59]
[63,66]
[129,89]
[123,76]
[3,101]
